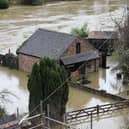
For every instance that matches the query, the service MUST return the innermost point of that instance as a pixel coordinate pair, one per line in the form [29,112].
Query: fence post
[48,114]
[91,121]
[18,116]
[97,109]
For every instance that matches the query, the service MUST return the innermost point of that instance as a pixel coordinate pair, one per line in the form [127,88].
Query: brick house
[59,46]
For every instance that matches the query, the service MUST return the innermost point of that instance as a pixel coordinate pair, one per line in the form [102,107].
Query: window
[78,48]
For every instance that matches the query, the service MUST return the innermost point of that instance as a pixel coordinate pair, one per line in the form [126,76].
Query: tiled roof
[44,43]
[102,35]
[90,55]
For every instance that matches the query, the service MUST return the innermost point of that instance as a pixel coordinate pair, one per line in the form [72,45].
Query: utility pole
[48,114]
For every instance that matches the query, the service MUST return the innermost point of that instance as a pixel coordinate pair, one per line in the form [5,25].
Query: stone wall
[26,62]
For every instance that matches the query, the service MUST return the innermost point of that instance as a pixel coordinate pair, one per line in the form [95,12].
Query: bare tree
[122,46]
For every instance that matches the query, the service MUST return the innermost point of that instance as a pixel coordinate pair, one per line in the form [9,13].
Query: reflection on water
[106,79]
[115,120]
[15,82]
[18,23]
[80,99]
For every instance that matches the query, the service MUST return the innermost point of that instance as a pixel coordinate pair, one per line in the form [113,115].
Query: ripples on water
[18,23]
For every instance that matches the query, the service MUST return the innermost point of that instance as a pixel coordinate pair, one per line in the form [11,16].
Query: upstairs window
[78,48]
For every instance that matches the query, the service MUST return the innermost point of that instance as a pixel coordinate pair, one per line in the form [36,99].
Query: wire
[52,93]
[70,77]
[47,118]
[39,125]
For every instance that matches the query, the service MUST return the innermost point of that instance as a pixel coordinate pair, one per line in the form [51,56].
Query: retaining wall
[97,92]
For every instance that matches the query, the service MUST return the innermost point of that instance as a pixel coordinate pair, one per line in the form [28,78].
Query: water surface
[18,22]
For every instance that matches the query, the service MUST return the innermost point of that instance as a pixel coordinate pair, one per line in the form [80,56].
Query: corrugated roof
[44,43]
[102,35]
[90,55]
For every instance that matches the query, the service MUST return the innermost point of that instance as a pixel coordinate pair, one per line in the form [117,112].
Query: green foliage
[43,80]
[34,87]
[4,4]
[10,61]
[31,2]
[82,31]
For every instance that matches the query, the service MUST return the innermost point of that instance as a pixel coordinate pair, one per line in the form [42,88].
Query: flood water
[106,79]
[15,82]
[18,22]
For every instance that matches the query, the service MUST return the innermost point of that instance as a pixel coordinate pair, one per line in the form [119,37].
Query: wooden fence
[81,114]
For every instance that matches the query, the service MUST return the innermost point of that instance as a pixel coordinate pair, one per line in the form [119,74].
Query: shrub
[10,61]
[82,31]
[4,4]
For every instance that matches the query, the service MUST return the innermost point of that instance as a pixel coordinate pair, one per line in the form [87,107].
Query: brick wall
[85,46]
[26,62]
[92,66]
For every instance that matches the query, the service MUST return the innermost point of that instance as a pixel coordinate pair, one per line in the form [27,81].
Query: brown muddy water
[18,22]
[107,80]
[16,81]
